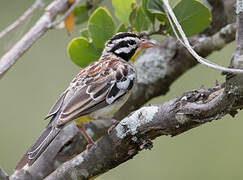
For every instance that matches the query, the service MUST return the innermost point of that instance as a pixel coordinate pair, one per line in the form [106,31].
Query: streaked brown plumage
[98,90]
[94,87]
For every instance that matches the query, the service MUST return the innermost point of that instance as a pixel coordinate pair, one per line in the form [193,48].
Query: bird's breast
[111,109]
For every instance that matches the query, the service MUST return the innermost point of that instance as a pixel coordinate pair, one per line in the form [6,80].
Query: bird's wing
[58,104]
[100,85]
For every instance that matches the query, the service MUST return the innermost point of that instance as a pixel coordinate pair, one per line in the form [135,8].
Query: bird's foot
[86,136]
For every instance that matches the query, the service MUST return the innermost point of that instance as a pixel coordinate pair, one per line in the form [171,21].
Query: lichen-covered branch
[38,30]
[234,82]
[166,62]
[159,67]
[136,131]
[172,60]
[238,58]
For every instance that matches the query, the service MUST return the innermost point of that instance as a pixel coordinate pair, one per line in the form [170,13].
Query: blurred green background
[28,90]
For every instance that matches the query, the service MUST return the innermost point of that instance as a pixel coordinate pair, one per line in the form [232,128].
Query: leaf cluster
[133,16]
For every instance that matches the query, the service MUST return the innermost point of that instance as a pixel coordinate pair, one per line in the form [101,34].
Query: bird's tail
[38,147]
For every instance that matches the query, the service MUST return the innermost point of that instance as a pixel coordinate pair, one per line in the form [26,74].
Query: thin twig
[37,4]
[170,13]
[38,30]
[58,21]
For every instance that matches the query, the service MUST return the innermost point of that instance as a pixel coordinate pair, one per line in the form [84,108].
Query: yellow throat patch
[135,55]
[82,120]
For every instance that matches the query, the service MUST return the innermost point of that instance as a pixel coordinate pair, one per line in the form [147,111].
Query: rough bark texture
[135,132]
[67,144]
[176,116]
[168,62]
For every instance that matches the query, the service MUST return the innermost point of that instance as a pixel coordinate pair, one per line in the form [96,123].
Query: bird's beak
[147,44]
[144,44]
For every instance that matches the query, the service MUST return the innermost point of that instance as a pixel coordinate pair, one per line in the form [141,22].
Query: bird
[97,91]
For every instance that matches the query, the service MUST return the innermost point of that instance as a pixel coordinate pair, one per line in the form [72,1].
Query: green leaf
[160,17]
[123,8]
[81,14]
[82,52]
[84,33]
[155,6]
[146,11]
[193,16]
[141,22]
[101,27]
[132,15]
[121,28]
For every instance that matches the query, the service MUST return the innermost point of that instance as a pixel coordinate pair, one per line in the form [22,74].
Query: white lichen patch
[134,138]
[239,6]
[77,160]
[78,173]
[184,98]
[140,117]
[152,65]
[181,118]
[226,30]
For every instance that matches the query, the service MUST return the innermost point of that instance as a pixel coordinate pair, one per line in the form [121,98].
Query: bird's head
[125,45]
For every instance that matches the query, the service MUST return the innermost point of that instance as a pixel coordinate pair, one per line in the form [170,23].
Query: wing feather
[82,103]
[54,109]
[90,93]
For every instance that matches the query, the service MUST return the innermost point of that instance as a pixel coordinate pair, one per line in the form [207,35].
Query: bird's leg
[87,137]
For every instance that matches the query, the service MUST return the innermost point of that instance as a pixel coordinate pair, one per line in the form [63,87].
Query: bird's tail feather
[38,147]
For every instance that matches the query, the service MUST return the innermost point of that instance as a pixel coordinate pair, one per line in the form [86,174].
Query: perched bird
[98,91]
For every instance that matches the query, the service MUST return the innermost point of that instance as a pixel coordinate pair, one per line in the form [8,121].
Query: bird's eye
[131,42]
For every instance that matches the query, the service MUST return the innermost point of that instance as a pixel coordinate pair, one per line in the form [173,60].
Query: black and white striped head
[124,45]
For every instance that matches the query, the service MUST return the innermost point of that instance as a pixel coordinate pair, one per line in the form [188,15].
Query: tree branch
[163,59]
[3,174]
[234,83]
[37,4]
[58,21]
[38,30]
[168,62]
[185,42]
[176,116]
[174,62]
[135,132]
[68,143]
